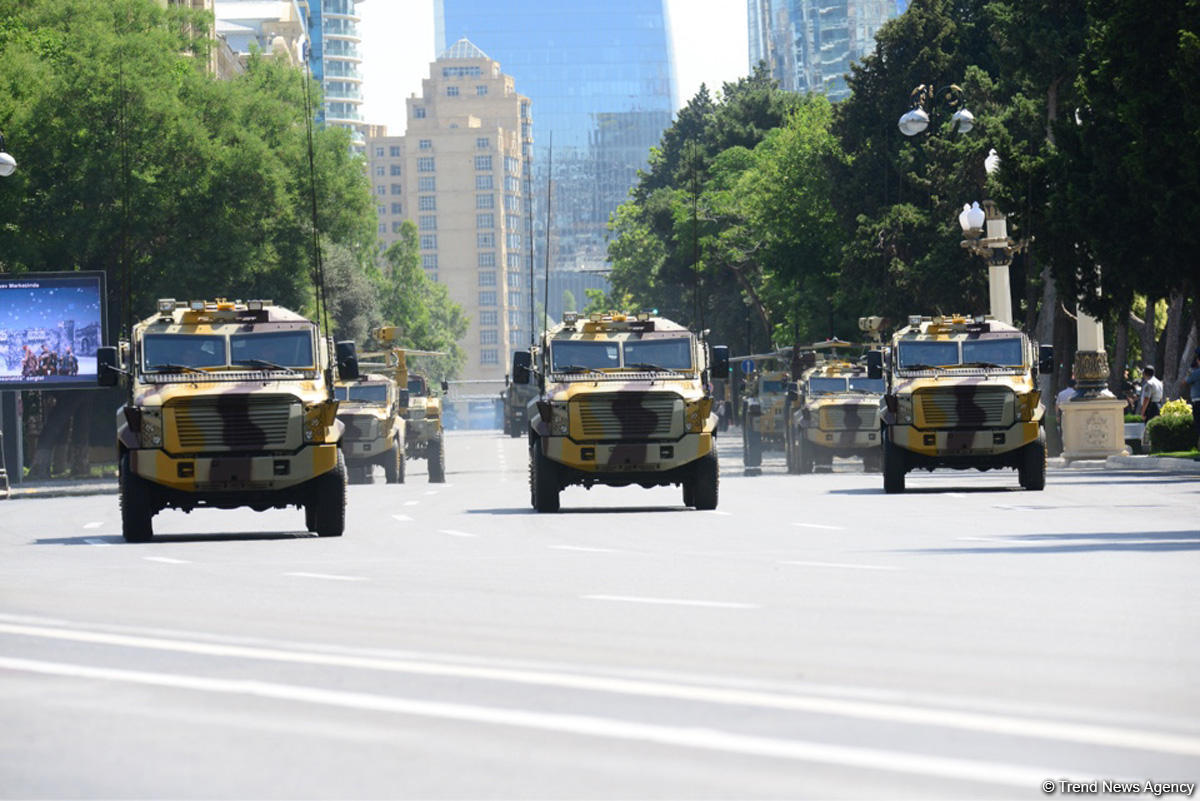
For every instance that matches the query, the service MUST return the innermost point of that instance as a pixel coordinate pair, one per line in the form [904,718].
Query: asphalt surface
[811,638]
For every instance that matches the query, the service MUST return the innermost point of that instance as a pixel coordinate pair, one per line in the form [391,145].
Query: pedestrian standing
[1192,380]
[1152,394]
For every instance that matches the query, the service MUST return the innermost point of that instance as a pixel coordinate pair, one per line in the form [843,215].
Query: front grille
[965,406]
[850,417]
[628,415]
[236,422]
[358,426]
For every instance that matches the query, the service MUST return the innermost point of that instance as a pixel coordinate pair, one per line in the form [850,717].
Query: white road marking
[954,494]
[968,770]
[166,560]
[841,564]
[402,518]
[633,599]
[96,541]
[431,492]
[96,524]
[411,503]
[581,548]
[454,533]
[326,576]
[819,525]
[896,711]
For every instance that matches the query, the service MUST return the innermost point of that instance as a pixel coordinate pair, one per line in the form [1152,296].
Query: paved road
[812,638]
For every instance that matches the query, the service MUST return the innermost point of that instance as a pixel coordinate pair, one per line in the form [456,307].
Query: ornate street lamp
[916,119]
[994,245]
[7,163]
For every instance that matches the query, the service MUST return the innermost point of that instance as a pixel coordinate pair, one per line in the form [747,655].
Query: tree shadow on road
[1087,542]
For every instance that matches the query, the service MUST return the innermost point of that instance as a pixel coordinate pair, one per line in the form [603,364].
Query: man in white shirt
[1152,394]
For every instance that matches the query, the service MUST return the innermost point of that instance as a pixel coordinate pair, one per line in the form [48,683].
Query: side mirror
[445,386]
[1046,359]
[402,398]
[793,392]
[720,362]
[347,360]
[106,366]
[521,362]
[874,364]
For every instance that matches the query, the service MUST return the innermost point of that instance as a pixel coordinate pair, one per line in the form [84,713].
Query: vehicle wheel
[543,481]
[328,505]
[1031,472]
[437,460]
[872,462]
[689,492]
[310,517]
[789,452]
[137,503]
[706,482]
[893,468]
[393,465]
[358,474]
[753,450]
[804,456]
[516,429]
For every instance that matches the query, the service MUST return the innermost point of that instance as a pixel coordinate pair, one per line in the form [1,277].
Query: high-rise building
[334,56]
[265,26]
[601,77]
[809,44]
[461,174]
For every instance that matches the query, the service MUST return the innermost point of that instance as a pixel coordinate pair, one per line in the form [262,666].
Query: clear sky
[709,37]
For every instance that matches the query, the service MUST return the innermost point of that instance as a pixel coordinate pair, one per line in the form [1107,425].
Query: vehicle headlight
[318,417]
[901,406]
[697,414]
[1027,404]
[152,432]
[560,419]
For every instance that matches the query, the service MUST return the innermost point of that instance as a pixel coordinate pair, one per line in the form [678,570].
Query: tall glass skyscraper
[334,56]
[600,76]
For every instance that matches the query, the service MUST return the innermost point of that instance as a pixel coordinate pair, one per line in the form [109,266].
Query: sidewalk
[1159,464]
[63,488]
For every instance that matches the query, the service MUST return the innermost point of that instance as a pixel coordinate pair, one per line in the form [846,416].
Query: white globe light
[964,220]
[962,121]
[913,122]
[992,162]
[7,164]
[975,215]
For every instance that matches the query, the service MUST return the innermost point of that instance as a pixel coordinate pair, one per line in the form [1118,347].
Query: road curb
[1162,464]
[73,491]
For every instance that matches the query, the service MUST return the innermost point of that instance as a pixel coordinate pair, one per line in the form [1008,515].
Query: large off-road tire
[751,446]
[893,467]
[689,492]
[393,464]
[872,462]
[437,459]
[706,482]
[789,451]
[543,481]
[360,474]
[137,503]
[515,428]
[1031,471]
[310,517]
[327,508]
[804,455]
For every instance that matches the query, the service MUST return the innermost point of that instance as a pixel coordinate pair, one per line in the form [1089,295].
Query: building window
[425,144]
[513,260]
[461,72]
[427,222]
[513,223]
[513,241]
[397,189]
[487,298]
[514,300]
[483,162]
[429,261]
[425,164]
[489,356]
[397,227]
[393,151]
[489,318]
[481,90]
[486,259]
[514,319]
[451,91]
[483,182]
[514,280]
[427,203]
[487,279]
[427,184]
[418,112]
[397,208]
[428,241]
[485,201]
[383,228]
[512,165]
[381,210]
[381,190]
[512,184]
[487,240]
[380,171]
[489,336]
[516,337]
[512,203]
[485,221]
[379,152]
[395,169]
[432,277]
[483,143]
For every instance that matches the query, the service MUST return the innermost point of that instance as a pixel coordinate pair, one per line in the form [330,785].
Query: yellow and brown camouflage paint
[370,428]
[845,423]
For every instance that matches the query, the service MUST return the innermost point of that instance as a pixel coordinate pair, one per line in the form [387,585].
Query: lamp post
[1093,420]
[8,165]
[986,234]
[923,97]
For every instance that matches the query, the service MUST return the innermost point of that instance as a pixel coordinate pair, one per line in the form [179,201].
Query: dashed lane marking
[95,524]
[411,503]
[402,518]
[633,599]
[166,560]
[846,565]
[326,576]
[453,533]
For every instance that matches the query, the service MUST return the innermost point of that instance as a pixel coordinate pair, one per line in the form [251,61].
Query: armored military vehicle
[623,399]
[515,398]
[419,408]
[230,404]
[369,408]
[833,411]
[764,400]
[962,393]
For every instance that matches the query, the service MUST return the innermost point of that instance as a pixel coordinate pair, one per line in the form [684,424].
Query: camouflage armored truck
[230,404]
[515,398]
[369,409]
[420,409]
[962,393]
[623,400]
[834,411]
[764,401]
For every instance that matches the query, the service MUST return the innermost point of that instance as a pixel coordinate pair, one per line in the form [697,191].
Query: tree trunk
[1189,353]
[1170,350]
[1120,359]
[1064,358]
[1149,339]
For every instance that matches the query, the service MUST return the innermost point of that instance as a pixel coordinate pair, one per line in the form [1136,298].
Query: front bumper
[234,473]
[623,458]
[421,431]
[955,445]
[853,439]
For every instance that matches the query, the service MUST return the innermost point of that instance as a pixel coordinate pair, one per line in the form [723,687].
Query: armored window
[286,348]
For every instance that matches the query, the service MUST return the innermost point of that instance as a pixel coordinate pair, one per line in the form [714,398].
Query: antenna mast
[549,183]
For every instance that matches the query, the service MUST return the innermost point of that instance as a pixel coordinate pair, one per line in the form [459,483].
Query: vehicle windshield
[567,354]
[1005,352]
[772,386]
[186,350]
[284,348]
[864,384]
[931,354]
[367,393]
[674,354]
[416,386]
[822,385]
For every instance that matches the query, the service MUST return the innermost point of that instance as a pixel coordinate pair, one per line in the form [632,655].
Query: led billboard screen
[50,327]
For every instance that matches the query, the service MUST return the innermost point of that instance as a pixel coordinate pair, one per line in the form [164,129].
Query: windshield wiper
[654,368]
[263,363]
[985,365]
[921,366]
[168,367]
[575,368]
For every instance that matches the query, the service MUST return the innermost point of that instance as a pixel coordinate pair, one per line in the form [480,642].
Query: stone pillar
[1094,420]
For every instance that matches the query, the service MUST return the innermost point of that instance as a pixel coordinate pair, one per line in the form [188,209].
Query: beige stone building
[461,175]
